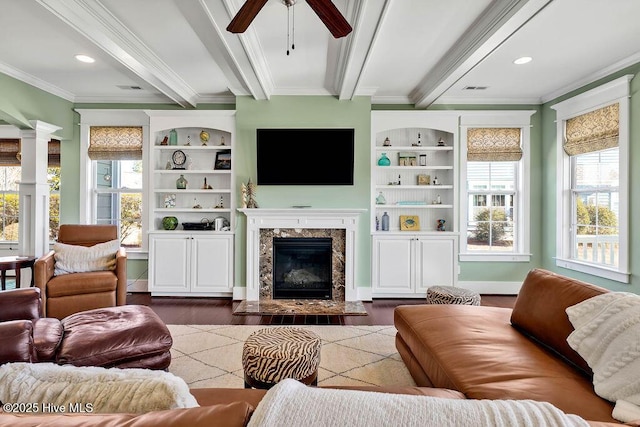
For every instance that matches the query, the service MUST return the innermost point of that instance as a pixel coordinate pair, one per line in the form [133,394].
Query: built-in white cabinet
[199,264]
[414,187]
[192,184]
[408,265]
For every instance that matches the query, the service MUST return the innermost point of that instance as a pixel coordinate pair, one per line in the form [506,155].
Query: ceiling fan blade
[331,16]
[245,16]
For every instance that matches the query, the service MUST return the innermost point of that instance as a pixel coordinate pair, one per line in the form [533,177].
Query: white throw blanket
[607,336]
[94,389]
[291,403]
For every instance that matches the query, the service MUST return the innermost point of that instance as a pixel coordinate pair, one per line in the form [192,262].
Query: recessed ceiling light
[523,60]
[85,58]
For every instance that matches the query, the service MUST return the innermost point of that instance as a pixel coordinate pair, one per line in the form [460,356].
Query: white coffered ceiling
[400,51]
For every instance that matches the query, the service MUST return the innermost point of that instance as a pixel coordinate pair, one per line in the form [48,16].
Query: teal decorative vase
[169,222]
[173,137]
[384,160]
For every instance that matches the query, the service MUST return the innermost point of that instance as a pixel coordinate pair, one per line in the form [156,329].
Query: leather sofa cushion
[539,311]
[229,415]
[16,338]
[81,283]
[111,336]
[476,350]
[20,304]
[47,334]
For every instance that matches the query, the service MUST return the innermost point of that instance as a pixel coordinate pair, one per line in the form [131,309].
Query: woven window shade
[11,149]
[54,153]
[493,144]
[115,143]
[594,131]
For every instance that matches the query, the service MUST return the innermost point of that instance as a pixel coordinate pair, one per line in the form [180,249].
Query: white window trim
[617,90]
[99,117]
[487,119]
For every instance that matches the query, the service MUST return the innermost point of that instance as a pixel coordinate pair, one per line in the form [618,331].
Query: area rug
[211,355]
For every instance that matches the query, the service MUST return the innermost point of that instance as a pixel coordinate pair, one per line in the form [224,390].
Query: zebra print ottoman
[452,295]
[272,354]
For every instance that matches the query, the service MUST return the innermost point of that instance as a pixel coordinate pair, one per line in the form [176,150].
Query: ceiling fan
[325,9]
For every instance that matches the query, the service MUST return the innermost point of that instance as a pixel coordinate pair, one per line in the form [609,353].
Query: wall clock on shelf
[179,159]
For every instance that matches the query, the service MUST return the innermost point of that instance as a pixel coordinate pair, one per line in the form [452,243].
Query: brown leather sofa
[131,336]
[499,353]
[72,293]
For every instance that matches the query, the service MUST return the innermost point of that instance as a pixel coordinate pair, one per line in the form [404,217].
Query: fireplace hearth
[302,268]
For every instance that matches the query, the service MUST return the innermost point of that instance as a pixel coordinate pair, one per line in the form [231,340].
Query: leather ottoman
[128,336]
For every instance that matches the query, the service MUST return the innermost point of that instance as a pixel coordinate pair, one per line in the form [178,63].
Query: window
[494,200]
[10,176]
[492,190]
[593,140]
[116,162]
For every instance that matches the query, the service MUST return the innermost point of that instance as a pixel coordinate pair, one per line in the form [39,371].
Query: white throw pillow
[98,390]
[79,259]
[607,336]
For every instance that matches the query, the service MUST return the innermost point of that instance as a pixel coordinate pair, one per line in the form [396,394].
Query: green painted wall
[549,179]
[309,112]
[21,102]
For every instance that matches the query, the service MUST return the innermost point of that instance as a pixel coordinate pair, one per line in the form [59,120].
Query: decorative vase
[384,160]
[181,183]
[380,200]
[385,222]
[173,137]
[169,222]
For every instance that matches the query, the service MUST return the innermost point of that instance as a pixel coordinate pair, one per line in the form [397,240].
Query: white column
[34,189]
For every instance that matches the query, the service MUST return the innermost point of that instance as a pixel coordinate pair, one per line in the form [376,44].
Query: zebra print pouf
[272,354]
[452,295]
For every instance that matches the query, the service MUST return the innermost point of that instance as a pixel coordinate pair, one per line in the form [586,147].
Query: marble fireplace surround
[299,222]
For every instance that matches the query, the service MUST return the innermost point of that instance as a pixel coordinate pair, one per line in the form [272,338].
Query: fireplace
[265,225]
[302,268]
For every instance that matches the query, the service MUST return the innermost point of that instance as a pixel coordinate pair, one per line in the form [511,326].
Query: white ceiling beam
[366,19]
[94,21]
[499,21]
[239,56]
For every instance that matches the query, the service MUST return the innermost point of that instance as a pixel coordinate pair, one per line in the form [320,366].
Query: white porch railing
[602,249]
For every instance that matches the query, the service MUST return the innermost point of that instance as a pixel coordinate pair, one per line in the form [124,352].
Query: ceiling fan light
[522,60]
[85,58]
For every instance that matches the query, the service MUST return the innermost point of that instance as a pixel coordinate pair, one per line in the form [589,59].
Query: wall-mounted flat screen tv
[305,156]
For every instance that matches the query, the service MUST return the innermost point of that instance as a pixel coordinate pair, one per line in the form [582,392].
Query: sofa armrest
[20,304]
[17,339]
[121,273]
[43,270]
[47,336]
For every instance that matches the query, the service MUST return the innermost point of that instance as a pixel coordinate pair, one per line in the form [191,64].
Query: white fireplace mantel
[295,218]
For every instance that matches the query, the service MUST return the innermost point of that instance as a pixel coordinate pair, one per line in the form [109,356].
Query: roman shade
[10,152]
[115,143]
[593,131]
[493,144]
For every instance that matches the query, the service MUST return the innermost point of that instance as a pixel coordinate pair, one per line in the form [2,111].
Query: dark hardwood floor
[219,311]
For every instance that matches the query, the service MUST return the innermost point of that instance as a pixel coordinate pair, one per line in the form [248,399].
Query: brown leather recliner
[131,336]
[72,293]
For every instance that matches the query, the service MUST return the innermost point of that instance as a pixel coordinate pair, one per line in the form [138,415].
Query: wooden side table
[15,263]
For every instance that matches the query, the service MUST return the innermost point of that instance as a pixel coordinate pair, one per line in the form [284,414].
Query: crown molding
[499,21]
[459,100]
[613,68]
[35,82]
[94,21]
